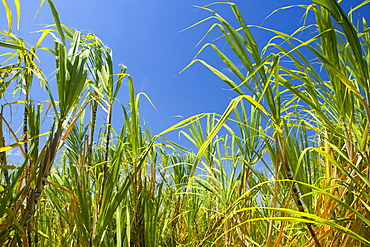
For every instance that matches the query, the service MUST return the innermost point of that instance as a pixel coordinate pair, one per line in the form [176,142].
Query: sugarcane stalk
[295,190]
[46,165]
[104,174]
[94,106]
[2,144]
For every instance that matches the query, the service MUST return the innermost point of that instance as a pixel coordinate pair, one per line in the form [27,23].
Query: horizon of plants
[302,111]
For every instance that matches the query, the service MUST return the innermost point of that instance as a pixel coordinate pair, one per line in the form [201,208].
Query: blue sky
[145,36]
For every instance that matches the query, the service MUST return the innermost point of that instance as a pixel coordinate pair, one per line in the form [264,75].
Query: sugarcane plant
[318,118]
[286,164]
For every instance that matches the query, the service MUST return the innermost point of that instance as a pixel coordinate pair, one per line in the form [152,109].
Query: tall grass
[289,168]
[318,117]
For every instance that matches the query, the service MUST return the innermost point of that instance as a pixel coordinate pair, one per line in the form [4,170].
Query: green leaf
[57,20]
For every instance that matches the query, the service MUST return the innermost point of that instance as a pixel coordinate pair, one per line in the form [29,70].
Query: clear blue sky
[144,36]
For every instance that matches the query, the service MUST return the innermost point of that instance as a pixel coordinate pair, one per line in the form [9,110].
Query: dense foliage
[302,113]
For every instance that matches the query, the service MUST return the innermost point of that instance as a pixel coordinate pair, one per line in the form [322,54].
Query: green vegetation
[302,113]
